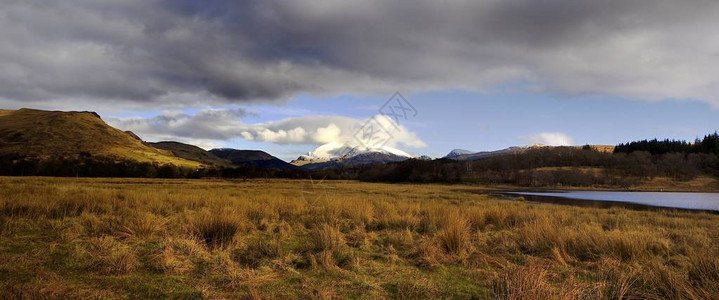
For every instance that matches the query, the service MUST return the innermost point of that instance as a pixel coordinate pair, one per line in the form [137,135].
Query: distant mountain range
[55,135]
[464,155]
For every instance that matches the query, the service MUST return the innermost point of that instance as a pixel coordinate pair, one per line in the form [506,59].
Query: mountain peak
[457,152]
[335,152]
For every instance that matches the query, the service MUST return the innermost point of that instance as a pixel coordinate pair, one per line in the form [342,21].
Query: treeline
[550,166]
[87,166]
[14,165]
[709,144]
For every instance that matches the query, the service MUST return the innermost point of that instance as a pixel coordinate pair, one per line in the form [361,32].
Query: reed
[143,238]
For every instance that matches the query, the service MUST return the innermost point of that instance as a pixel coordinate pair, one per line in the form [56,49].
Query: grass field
[139,238]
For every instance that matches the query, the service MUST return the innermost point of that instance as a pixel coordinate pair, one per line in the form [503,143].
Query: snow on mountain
[336,152]
[457,152]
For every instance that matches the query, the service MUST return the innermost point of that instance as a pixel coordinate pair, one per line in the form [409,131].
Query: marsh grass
[216,230]
[258,251]
[525,283]
[111,257]
[326,237]
[455,237]
[113,238]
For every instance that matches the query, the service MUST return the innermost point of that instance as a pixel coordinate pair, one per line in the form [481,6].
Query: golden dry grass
[142,238]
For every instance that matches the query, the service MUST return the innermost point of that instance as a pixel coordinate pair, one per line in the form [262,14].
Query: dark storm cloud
[152,51]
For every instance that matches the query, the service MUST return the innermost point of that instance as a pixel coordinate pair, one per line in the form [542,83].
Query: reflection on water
[638,200]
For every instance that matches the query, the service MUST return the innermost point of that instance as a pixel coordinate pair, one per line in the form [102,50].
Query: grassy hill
[191,152]
[69,135]
[252,158]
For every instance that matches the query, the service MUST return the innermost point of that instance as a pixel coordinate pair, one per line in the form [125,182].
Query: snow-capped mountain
[457,152]
[335,154]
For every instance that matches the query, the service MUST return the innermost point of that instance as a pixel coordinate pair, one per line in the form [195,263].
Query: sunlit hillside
[66,135]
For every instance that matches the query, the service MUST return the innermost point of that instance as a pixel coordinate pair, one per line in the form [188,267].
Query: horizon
[480,76]
[689,141]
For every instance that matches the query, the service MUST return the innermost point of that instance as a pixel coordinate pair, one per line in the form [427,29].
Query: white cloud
[549,138]
[328,134]
[223,125]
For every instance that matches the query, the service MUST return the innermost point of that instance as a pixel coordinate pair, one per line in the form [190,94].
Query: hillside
[191,152]
[598,148]
[252,158]
[46,135]
[487,154]
[464,155]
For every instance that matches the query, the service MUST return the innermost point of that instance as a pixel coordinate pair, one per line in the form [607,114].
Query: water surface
[681,200]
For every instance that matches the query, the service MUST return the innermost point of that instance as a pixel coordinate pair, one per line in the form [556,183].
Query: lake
[683,200]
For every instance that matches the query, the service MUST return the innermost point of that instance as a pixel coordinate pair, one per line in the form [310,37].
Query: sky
[287,76]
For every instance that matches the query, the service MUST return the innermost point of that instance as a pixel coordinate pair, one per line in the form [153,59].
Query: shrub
[400,240]
[704,274]
[432,217]
[522,283]
[110,256]
[357,238]
[177,256]
[4,225]
[143,225]
[216,230]
[455,237]
[428,254]
[326,237]
[615,281]
[415,288]
[324,259]
[256,251]
[660,282]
